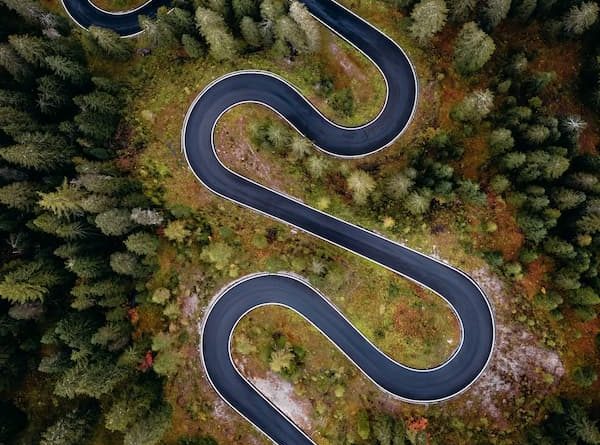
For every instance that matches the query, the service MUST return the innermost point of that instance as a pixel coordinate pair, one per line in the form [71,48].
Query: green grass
[118,5]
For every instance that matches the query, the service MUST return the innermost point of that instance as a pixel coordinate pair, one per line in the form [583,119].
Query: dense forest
[81,231]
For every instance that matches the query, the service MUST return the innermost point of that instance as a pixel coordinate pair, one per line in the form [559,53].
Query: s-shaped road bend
[462,294]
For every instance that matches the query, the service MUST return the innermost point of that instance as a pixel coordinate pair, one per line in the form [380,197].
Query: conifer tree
[110,42]
[581,17]
[428,18]
[299,13]
[472,49]
[214,30]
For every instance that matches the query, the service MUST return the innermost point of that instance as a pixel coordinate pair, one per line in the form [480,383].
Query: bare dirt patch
[519,365]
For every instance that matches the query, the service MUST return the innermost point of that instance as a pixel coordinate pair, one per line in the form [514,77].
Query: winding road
[462,294]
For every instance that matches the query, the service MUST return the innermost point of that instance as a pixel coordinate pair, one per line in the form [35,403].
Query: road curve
[462,293]
[125,23]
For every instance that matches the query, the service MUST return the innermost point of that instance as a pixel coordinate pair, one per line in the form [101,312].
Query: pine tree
[524,9]
[63,202]
[495,11]
[28,282]
[559,248]
[125,263]
[52,96]
[566,198]
[271,10]
[501,141]
[581,17]
[218,254]
[19,195]
[399,185]
[150,429]
[316,166]
[32,49]
[192,46]
[473,48]
[110,42]
[244,8]
[142,243]
[589,223]
[157,33]
[461,10]
[93,378]
[16,122]
[14,64]
[287,30]
[567,278]
[38,151]
[67,69]
[475,107]
[300,147]
[71,429]
[382,426]
[214,30]
[417,202]
[114,222]
[251,32]
[428,18]
[129,407]
[537,134]
[179,20]
[361,185]
[308,24]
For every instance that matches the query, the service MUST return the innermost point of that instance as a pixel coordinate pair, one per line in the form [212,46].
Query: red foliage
[147,362]
[133,315]
[418,424]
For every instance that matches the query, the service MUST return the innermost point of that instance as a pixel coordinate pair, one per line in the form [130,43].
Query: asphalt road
[85,14]
[465,297]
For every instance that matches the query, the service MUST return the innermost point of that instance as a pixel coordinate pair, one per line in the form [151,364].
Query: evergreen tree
[62,202]
[192,46]
[251,32]
[19,195]
[52,96]
[417,202]
[461,10]
[316,166]
[214,30]
[32,49]
[581,17]
[288,31]
[14,64]
[501,141]
[67,69]
[150,429]
[428,18]
[110,42]
[142,243]
[361,185]
[472,49]
[300,147]
[495,11]
[475,107]
[158,33]
[524,9]
[72,429]
[114,222]
[125,263]
[399,185]
[244,8]
[308,24]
